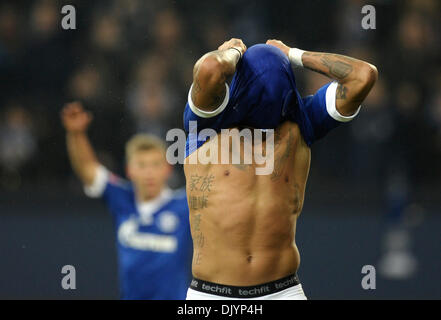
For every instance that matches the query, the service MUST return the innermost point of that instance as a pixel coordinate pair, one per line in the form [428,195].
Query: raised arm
[355,77]
[81,154]
[211,73]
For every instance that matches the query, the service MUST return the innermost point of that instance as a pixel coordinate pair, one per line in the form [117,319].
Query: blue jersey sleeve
[114,190]
[318,113]
[260,88]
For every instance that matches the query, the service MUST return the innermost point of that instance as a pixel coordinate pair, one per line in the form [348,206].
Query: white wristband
[295,57]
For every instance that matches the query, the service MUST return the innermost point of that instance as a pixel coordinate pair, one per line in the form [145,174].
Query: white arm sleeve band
[96,189]
[209,114]
[331,105]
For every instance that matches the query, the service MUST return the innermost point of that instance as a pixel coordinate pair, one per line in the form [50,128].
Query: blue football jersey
[153,239]
[262,95]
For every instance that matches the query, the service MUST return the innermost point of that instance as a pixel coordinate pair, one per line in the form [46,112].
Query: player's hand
[279,44]
[236,43]
[75,118]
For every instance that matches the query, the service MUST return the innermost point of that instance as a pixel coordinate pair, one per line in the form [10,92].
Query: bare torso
[243,224]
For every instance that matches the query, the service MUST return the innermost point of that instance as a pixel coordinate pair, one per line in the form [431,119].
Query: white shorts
[293,292]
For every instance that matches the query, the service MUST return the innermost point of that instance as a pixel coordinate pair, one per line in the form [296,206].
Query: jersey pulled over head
[262,95]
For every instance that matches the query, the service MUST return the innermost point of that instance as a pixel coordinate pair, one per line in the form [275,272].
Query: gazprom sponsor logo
[129,236]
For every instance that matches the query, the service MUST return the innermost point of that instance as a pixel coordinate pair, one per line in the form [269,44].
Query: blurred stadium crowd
[130,62]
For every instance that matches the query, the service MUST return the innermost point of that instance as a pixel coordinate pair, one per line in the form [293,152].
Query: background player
[243,224]
[153,235]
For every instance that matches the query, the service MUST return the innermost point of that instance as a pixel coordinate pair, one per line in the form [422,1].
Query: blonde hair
[144,142]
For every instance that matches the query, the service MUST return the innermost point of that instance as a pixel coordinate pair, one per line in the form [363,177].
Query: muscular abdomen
[243,224]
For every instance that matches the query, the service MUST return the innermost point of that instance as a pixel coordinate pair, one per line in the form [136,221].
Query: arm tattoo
[341,92]
[218,98]
[338,66]
[338,69]
[214,94]
[196,88]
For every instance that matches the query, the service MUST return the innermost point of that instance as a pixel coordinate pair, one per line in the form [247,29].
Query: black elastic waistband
[245,292]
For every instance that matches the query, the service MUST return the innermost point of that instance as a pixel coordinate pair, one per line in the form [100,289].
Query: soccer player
[243,224]
[152,229]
